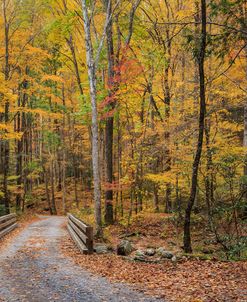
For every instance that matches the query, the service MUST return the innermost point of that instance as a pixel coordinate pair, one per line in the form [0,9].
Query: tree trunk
[95,140]
[47,189]
[245,139]
[53,202]
[109,120]
[156,198]
[197,159]
[167,101]
[18,161]
[75,180]
[6,197]
[64,199]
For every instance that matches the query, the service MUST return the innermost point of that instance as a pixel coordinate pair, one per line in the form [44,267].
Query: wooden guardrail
[7,224]
[81,233]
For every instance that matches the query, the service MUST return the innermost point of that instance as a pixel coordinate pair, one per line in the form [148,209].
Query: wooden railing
[81,233]
[7,224]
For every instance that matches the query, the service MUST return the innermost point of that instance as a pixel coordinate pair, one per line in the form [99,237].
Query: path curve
[33,269]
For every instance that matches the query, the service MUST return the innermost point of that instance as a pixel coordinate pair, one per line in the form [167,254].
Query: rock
[150,252]
[140,253]
[140,256]
[164,254]
[124,248]
[174,259]
[101,249]
[207,251]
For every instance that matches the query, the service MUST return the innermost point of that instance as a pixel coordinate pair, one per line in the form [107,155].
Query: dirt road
[33,269]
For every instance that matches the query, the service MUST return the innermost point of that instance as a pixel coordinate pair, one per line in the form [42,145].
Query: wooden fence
[81,233]
[7,224]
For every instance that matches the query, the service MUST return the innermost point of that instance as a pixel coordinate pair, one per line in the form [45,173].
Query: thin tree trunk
[53,202]
[208,182]
[245,139]
[64,197]
[167,101]
[75,181]
[156,198]
[6,112]
[197,159]
[64,182]
[18,160]
[47,190]
[109,120]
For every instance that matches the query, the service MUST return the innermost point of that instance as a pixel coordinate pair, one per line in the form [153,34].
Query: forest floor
[39,262]
[203,277]
[34,269]
[188,281]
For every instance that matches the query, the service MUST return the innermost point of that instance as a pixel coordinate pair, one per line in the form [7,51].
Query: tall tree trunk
[47,189]
[156,198]
[119,163]
[64,182]
[109,120]
[18,160]
[6,112]
[22,100]
[75,180]
[208,178]
[167,101]
[197,159]
[64,196]
[53,202]
[245,138]
[112,90]
[95,139]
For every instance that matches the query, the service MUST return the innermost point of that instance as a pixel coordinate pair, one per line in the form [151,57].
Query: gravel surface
[33,269]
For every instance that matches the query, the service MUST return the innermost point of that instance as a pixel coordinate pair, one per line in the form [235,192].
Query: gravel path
[32,269]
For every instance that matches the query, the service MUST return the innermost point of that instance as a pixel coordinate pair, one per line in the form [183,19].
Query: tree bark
[95,136]
[197,159]
[109,120]
[245,139]
[53,202]
[6,112]
[19,159]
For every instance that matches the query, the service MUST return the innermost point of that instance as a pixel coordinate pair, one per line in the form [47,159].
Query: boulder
[101,249]
[207,251]
[124,248]
[164,254]
[174,258]
[140,256]
[150,252]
